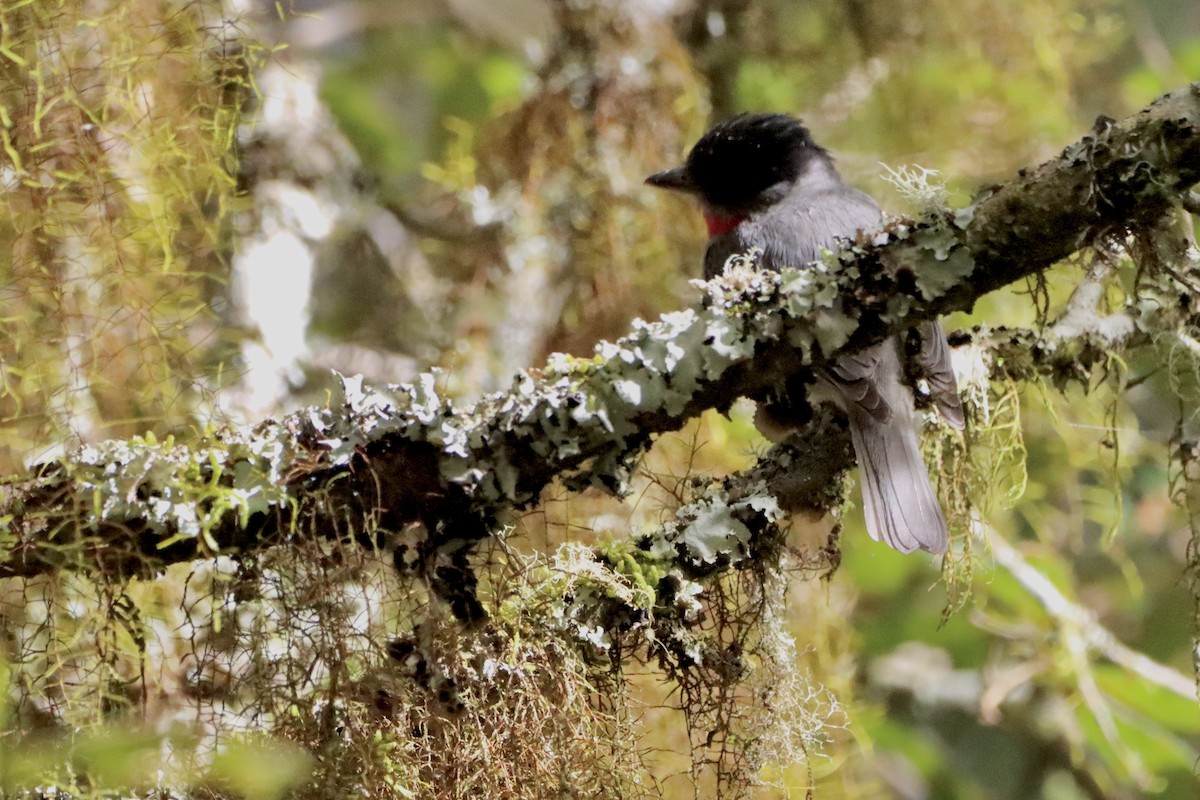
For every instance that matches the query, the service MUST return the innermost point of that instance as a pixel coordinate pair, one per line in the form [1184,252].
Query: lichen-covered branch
[375,461]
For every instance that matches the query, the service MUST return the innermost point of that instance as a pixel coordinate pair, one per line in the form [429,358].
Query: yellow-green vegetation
[118,122]
[414,591]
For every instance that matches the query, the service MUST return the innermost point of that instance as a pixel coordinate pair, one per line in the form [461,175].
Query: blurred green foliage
[393,93]
[535,165]
[117,126]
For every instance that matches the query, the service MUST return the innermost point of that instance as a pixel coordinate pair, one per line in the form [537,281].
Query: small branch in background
[1191,202]
[1082,621]
[1082,316]
[856,88]
[442,229]
[714,32]
[1082,635]
[1185,491]
[924,676]
[1152,46]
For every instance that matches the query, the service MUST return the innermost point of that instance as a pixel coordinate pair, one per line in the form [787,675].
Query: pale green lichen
[183,491]
[592,416]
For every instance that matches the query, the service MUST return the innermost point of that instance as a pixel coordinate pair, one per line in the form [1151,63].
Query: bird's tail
[898,499]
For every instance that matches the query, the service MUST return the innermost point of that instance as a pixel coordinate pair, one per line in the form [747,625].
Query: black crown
[740,158]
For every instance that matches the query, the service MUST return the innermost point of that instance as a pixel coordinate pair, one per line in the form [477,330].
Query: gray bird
[763,183]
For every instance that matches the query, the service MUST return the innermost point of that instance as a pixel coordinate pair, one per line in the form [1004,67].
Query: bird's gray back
[795,231]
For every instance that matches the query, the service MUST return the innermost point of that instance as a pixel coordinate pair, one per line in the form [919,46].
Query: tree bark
[376,461]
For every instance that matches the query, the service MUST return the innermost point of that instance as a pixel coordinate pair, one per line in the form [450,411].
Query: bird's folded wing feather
[856,378]
[934,360]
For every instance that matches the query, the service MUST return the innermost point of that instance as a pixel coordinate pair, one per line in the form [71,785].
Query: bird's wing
[856,378]
[720,248]
[795,233]
[934,360]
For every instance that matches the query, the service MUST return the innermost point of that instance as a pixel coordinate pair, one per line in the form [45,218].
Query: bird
[765,186]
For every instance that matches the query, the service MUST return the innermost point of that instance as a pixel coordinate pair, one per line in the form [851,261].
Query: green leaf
[1145,697]
[119,758]
[261,768]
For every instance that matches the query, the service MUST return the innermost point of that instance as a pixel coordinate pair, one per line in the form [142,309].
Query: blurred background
[457,185]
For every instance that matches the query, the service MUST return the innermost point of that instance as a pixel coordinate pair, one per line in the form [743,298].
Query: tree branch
[376,461]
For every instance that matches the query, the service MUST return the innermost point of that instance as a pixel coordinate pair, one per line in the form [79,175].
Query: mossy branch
[375,461]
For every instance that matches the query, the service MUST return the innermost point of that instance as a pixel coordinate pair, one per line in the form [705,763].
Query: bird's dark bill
[676,179]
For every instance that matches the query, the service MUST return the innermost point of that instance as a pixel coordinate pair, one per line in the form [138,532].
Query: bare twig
[1082,622]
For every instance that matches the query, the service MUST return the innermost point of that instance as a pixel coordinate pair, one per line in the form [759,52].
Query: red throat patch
[721,224]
